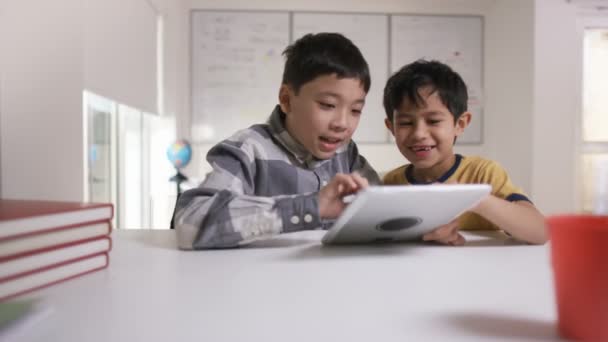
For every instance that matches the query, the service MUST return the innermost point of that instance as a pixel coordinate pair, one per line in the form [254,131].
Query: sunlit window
[595,120]
[127,164]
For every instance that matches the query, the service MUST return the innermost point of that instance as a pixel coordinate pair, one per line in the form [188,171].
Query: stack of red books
[46,242]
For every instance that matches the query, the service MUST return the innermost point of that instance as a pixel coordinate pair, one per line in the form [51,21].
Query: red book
[23,265]
[27,244]
[19,218]
[48,276]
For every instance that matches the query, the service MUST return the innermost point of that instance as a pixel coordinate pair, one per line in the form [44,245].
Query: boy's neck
[436,173]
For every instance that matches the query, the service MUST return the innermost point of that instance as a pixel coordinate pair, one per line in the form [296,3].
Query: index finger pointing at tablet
[361,181]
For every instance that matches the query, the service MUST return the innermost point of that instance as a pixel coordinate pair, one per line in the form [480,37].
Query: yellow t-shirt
[468,170]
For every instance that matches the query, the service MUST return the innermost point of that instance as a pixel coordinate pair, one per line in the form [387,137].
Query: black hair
[320,54]
[405,84]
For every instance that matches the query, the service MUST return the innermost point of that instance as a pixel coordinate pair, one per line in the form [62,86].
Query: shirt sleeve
[494,174]
[224,212]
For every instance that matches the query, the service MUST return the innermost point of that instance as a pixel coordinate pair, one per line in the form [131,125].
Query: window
[100,149]
[595,119]
[127,163]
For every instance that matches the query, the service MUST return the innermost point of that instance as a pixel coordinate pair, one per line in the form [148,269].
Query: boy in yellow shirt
[426,109]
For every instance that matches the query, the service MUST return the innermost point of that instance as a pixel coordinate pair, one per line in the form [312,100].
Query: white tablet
[403,212]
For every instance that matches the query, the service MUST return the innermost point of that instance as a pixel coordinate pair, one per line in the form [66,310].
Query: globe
[179,153]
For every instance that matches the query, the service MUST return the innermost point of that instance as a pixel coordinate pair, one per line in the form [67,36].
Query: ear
[285,98]
[463,121]
[389,125]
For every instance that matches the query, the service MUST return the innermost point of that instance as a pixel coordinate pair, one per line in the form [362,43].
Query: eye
[434,122]
[325,105]
[404,123]
[356,112]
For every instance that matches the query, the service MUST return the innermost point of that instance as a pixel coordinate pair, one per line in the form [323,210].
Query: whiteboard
[237,63]
[370,33]
[236,69]
[456,41]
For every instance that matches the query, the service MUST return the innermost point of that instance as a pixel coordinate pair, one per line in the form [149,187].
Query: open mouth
[330,143]
[330,140]
[421,151]
[421,148]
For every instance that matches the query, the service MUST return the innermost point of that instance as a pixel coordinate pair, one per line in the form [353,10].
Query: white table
[293,289]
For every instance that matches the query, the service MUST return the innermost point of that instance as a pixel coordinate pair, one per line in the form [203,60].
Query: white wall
[51,51]
[175,27]
[509,51]
[2,14]
[120,51]
[41,84]
[557,63]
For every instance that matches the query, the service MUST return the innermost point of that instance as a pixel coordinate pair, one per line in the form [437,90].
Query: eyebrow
[403,115]
[409,115]
[329,93]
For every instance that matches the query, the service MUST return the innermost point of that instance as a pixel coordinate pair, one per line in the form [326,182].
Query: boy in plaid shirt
[291,173]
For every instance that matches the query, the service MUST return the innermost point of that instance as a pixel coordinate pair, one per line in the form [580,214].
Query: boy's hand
[446,234]
[331,204]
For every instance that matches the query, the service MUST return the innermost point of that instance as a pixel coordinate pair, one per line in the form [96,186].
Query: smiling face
[425,134]
[324,113]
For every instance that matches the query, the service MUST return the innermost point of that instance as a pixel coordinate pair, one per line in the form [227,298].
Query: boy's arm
[516,215]
[223,213]
[508,208]
[521,219]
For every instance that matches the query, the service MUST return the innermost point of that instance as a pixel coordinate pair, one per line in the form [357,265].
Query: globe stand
[179,154]
[178,179]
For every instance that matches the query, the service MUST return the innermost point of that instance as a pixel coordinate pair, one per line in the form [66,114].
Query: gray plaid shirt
[263,183]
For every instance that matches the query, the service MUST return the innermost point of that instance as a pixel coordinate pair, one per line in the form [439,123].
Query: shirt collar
[409,172]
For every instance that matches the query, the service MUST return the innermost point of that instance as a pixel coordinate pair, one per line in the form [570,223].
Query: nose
[420,131]
[339,121]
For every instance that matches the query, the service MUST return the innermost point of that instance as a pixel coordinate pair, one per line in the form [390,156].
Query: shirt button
[307,218]
[295,220]
[323,183]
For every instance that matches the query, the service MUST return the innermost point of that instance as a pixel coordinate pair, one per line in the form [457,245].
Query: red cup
[579,252]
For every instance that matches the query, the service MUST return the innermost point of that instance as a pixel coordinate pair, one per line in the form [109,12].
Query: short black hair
[404,85]
[320,54]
